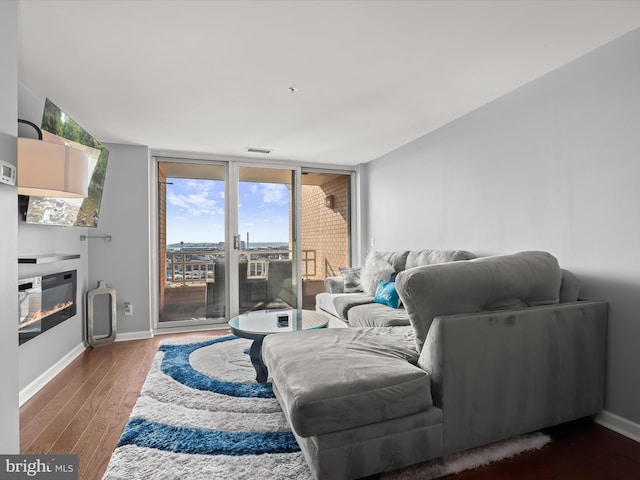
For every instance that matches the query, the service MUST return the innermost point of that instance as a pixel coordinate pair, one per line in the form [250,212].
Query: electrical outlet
[128,308]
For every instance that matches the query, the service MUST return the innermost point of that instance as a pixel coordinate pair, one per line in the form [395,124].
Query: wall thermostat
[7,173]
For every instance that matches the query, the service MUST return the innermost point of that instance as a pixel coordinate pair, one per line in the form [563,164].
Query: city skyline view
[196,211]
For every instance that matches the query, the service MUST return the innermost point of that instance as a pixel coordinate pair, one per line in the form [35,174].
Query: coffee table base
[258,324]
[255,353]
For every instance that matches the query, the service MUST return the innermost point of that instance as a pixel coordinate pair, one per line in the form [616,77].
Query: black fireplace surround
[44,302]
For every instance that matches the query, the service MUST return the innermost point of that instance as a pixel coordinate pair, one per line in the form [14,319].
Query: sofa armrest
[334,284]
[504,373]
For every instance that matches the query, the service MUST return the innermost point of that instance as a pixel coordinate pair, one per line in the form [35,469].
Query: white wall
[552,166]
[10,438]
[124,262]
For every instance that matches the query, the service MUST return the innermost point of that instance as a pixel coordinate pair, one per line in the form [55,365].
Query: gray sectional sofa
[358,309]
[495,347]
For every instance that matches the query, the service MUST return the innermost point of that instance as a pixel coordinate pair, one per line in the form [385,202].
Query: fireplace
[44,302]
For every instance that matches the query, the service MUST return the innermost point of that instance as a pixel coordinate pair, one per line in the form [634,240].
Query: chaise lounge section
[497,347]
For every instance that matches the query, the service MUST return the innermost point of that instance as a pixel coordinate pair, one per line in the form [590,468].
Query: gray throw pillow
[351,277]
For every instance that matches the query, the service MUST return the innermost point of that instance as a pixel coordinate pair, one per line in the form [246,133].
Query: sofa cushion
[339,304]
[377,315]
[334,379]
[488,283]
[431,257]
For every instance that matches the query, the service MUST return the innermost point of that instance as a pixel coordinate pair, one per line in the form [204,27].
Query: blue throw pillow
[387,294]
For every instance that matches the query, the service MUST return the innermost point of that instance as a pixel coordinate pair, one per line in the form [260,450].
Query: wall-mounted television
[58,127]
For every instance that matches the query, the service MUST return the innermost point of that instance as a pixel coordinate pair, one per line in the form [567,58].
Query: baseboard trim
[619,424]
[30,390]
[145,334]
[190,328]
[141,335]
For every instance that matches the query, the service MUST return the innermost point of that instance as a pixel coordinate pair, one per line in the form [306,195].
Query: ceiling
[213,77]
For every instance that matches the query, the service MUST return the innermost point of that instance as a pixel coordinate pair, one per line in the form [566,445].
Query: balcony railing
[191,268]
[197,267]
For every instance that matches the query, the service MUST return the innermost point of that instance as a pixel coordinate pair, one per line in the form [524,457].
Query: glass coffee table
[258,324]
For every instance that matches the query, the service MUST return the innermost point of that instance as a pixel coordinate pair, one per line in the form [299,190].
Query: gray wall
[42,352]
[39,354]
[552,166]
[124,262]
[10,438]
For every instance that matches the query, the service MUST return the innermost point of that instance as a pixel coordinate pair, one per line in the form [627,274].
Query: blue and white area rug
[201,415]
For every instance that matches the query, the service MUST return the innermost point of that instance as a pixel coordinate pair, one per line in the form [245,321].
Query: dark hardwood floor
[580,450]
[84,409]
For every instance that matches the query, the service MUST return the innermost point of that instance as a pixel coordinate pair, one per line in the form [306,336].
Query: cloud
[195,204]
[195,197]
[201,186]
[275,193]
[271,193]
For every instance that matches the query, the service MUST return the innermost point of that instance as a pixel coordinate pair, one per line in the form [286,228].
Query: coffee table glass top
[264,322]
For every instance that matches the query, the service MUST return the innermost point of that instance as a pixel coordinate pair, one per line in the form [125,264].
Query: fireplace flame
[38,315]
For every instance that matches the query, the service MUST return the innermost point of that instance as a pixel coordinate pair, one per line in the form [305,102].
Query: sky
[196,208]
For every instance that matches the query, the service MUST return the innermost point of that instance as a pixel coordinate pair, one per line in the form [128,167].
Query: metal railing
[197,267]
[258,261]
[308,263]
[189,268]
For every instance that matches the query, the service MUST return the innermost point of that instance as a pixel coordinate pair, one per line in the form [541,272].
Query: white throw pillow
[375,268]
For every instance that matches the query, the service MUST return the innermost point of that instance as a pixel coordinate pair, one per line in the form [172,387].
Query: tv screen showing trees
[58,127]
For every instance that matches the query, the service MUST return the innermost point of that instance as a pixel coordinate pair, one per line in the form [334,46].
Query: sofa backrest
[569,287]
[401,260]
[488,283]
[418,258]
[397,260]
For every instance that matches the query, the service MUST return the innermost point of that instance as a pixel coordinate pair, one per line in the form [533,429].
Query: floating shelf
[48,257]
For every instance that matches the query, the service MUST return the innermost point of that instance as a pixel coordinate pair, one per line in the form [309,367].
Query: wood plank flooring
[84,409]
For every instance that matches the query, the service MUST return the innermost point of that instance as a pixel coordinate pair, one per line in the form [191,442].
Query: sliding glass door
[266,243]
[325,229]
[234,237]
[191,243]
